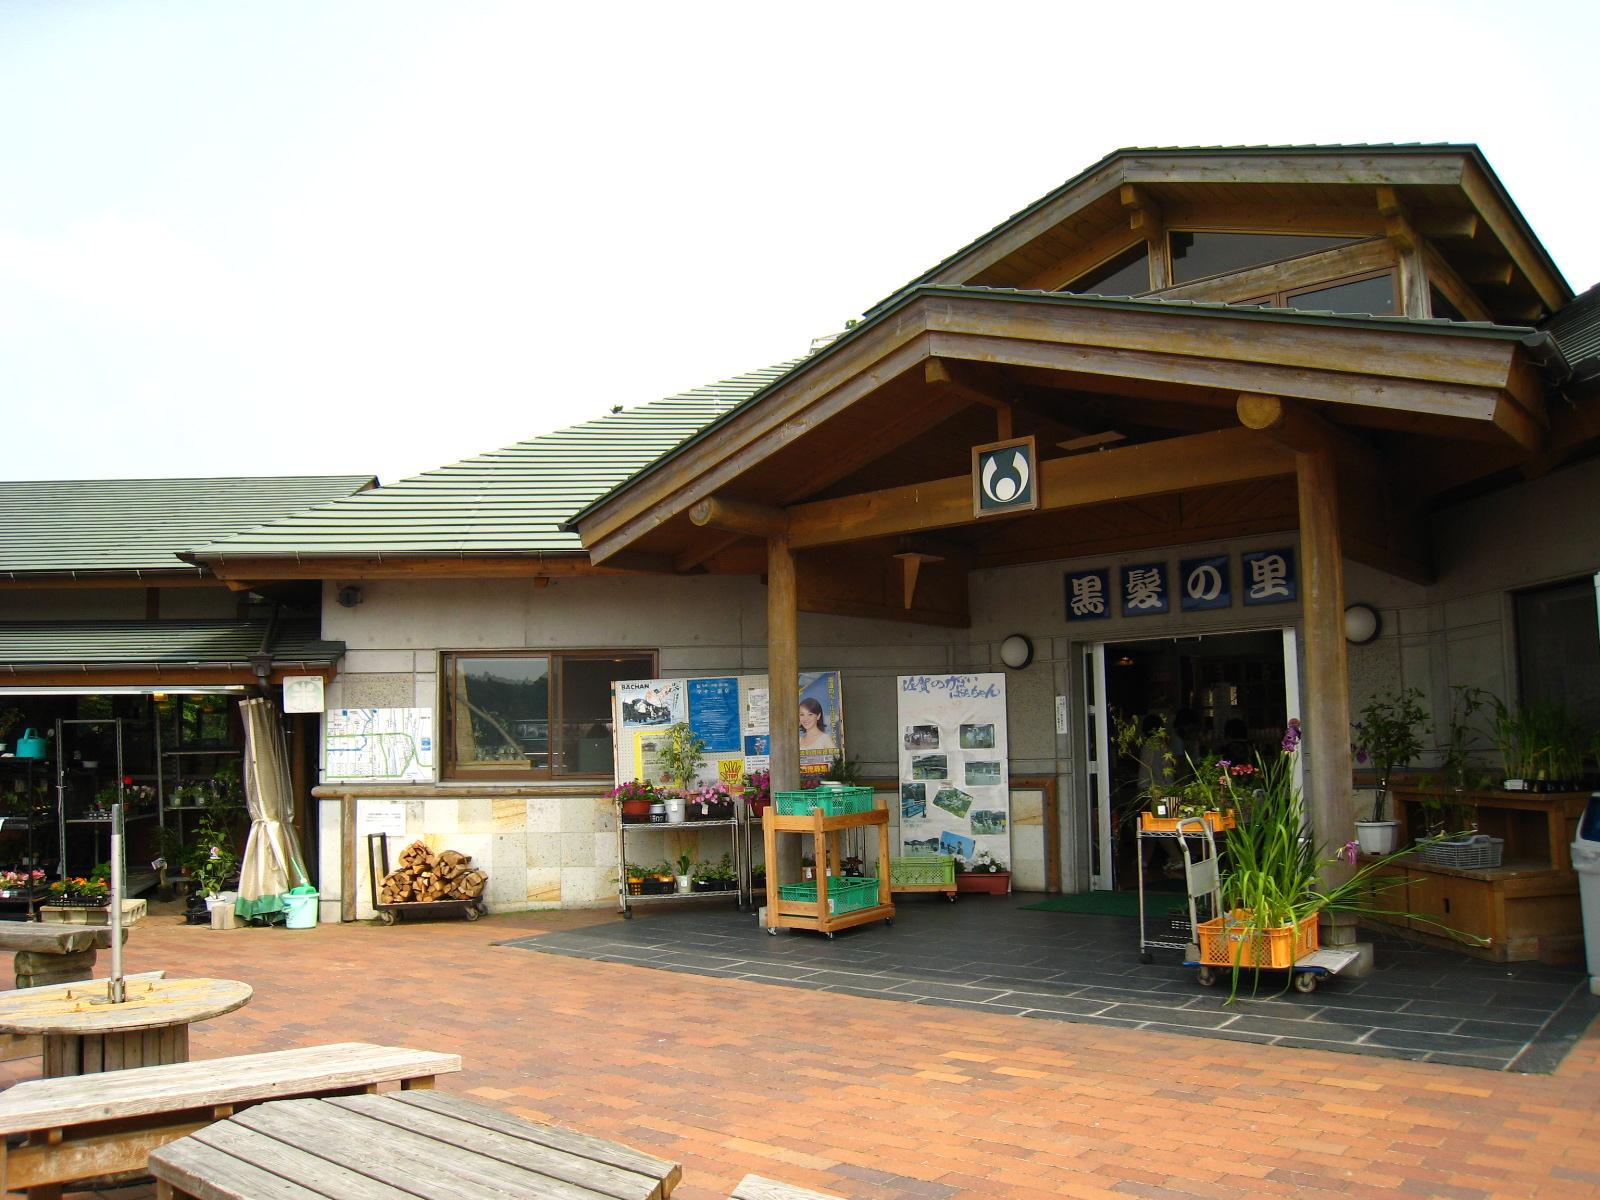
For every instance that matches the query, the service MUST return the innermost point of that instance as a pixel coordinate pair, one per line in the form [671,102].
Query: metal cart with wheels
[378,867]
[1176,937]
[1203,882]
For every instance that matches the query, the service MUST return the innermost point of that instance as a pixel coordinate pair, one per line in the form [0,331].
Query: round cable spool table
[83,1034]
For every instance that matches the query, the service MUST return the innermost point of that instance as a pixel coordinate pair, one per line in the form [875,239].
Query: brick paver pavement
[882,1100]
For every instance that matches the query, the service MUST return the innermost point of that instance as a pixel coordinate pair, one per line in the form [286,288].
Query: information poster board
[730,714]
[379,744]
[955,782]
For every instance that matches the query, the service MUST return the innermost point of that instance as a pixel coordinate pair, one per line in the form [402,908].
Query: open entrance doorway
[1228,694]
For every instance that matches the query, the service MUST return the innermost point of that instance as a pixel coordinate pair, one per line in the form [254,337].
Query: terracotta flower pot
[990,883]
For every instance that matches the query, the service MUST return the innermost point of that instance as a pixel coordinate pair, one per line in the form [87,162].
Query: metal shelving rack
[741,860]
[67,775]
[28,772]
[1173,939]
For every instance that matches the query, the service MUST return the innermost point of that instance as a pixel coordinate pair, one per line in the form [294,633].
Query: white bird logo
[1008,487]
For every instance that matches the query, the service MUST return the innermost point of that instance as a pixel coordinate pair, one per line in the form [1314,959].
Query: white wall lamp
[1016,651]
[1361,624]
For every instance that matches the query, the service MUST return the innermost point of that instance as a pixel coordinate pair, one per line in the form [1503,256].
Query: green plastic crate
[834,802]
[845,894]
[922,870]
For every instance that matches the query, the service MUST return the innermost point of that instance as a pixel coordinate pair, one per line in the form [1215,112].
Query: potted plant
[634,799]
[758,792]
[714,802]
[1386,737]
[684,879]
[635,879]
[723,874]
[20,883]
[808,866]
[844,771]
[682,753]
[984,874]
[79,892]
[1456,762]
[701,879]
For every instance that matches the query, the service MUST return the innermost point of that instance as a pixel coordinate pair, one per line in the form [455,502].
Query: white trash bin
[1586,862]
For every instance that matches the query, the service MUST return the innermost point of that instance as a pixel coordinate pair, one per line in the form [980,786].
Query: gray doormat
[989,954]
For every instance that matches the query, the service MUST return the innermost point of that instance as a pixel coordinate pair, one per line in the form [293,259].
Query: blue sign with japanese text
[1088,595]
[1204,583]
[714,713]
[1144,590]
[1268,577]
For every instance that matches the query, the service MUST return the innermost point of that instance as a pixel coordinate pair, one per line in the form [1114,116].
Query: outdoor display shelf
[1526,907]
[821,913]
[736,825]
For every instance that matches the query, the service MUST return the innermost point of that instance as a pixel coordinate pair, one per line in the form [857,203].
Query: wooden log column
[1330,799]
[783,664]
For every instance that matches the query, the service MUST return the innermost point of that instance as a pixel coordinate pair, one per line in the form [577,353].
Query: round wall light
[1361,624]
[1016,651]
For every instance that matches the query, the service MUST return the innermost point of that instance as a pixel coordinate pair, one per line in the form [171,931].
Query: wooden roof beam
[1156,468]
[1300,429]
[739,516]
[1144,210]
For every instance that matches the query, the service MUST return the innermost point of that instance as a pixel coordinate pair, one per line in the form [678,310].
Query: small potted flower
[758,792]
[714,802]
[20,883]
[79,892]
[634,798]
[984,873]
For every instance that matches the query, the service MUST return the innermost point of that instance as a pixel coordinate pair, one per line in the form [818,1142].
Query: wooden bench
[756,1187]
[86,1127]
[49,954]
[411,1144]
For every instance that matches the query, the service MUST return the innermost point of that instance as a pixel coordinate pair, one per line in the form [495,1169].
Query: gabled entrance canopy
[848,479]
[868,440]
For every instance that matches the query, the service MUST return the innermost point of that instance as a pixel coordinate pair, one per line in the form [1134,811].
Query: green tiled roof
[36,645]
[96,526]
[1576,329]
[507,501]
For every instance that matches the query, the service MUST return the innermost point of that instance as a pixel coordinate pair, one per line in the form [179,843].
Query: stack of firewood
[424,877]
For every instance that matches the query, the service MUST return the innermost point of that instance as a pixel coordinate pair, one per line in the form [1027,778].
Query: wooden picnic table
[83,1034]
[399,1145]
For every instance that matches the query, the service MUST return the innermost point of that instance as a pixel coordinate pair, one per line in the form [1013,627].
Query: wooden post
[1329,799]
[783,666]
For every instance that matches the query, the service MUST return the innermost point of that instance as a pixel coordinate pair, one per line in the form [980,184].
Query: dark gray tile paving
[1422,1003]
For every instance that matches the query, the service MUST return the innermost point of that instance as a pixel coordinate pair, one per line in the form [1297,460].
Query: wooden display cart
[1527,907]
[824,831]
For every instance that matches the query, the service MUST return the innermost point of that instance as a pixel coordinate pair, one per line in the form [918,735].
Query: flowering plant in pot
[1387,738]
[79,892]
[714,802]
[20,881]
[758,792]
[983,873]
[634,798]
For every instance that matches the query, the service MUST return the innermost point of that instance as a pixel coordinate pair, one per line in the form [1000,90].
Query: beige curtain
[272,861]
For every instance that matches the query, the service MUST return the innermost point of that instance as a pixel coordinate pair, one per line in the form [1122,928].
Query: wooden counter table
[83,1034]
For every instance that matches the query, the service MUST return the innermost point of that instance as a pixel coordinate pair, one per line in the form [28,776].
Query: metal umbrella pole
[116,987]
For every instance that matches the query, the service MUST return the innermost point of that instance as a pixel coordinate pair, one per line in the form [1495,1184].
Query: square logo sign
[1005,477]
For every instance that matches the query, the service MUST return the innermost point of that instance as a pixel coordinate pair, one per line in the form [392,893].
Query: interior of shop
[1222,694]
[172,760]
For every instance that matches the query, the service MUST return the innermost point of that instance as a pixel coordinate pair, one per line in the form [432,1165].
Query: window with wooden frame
[1123,274]
[1374,294]
[511,714]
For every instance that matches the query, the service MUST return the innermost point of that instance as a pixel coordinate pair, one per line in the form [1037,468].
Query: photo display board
[729,713]
[955,784]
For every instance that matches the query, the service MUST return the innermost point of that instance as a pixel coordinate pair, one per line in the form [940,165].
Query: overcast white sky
[324,237]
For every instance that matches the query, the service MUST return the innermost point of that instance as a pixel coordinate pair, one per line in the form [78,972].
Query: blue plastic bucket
[300,907]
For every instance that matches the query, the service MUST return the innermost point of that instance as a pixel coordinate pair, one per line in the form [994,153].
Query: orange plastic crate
[1151,823]
[1224,942]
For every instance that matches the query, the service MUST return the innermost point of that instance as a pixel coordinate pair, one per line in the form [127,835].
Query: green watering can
[30,745]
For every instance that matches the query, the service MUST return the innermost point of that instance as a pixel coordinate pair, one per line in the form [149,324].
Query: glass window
[533,715]
[1128,274]
[1558,648]
[1196,255]
[1441,306]
[1374,295]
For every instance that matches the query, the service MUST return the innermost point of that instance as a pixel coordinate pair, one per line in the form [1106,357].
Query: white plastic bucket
[300,908]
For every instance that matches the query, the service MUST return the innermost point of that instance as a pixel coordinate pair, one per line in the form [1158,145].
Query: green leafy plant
[1539,742]
[1465,703]
[682,753]
[684,863]
[1387,737]
[845,770]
